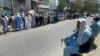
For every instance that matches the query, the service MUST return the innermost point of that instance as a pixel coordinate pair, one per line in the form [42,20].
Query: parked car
[92,15]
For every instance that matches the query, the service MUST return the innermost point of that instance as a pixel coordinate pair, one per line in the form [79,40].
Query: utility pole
[2,4]
[13,6]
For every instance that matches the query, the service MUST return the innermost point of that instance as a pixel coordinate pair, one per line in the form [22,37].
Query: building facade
[53,4]
[5,7]
[21,5]
[44,6]
[24,5]
[14,6]
[41,6]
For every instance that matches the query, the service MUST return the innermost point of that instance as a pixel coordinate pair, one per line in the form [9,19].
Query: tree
[91,6]
[82,6]
[61,5]
[68,1]
[88,5]
[76,6]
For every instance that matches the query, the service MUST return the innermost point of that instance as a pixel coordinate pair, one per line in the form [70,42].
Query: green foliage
[61,5]
[85,6]
[76,6]
[90,6]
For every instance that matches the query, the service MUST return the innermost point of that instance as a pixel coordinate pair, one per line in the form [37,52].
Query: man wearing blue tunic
[19,22]
[95,26]
[77,38]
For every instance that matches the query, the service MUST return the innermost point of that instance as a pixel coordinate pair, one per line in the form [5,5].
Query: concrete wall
[18,6]
[28,4]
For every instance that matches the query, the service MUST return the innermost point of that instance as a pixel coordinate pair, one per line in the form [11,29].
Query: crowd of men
[80,36]
[19,22]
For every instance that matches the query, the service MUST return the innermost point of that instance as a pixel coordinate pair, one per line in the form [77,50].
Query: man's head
[18,14]
[78,24]
[3,16]
[82,23]
[96,19]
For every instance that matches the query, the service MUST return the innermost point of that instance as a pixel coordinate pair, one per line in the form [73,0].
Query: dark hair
[11,14]
[3,16]
[96,19]
[27,14]
[6,14]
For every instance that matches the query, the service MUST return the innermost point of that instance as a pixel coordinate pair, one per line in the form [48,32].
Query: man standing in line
[3,21]
[19,22]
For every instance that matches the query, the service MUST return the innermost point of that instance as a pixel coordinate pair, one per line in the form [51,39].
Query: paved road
[42,41]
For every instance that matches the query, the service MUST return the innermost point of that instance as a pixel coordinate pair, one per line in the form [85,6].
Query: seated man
[78,38]
[95,26]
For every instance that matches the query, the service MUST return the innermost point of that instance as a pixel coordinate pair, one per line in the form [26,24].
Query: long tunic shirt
[19,22]
[95,28]
[72,45]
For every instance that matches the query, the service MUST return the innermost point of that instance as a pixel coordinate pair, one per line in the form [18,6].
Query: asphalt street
[41,41]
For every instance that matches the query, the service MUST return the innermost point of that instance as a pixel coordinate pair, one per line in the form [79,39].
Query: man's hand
[62,39]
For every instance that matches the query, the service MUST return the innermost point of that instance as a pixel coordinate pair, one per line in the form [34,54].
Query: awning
[34,0]
[38,1]
[44,6]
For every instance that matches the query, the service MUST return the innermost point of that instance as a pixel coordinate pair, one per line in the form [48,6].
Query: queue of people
[19,22]
[80,37]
